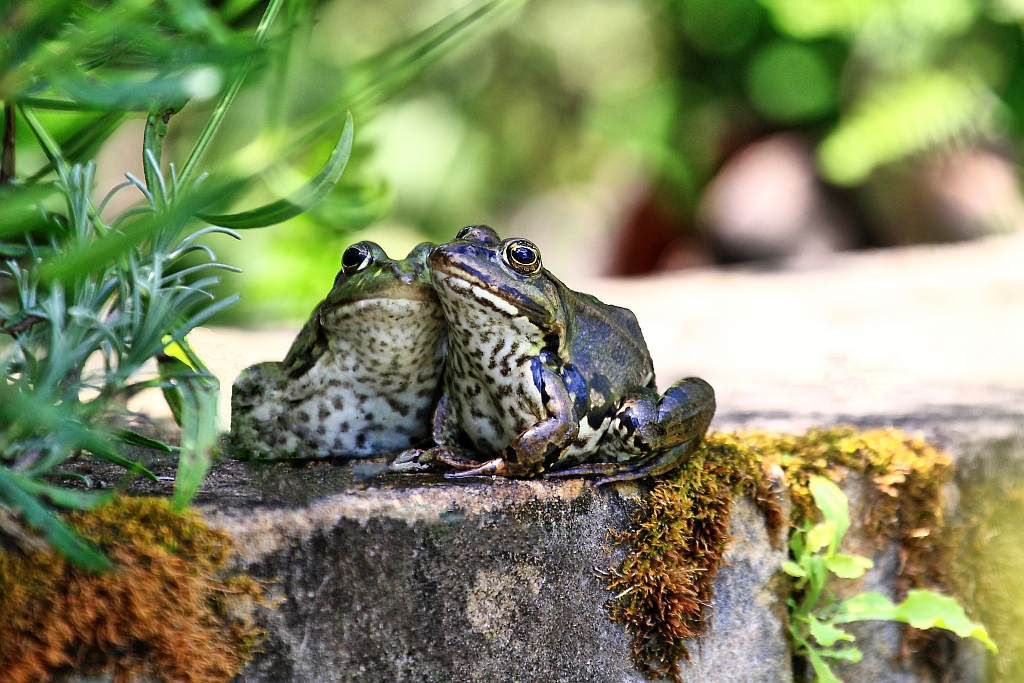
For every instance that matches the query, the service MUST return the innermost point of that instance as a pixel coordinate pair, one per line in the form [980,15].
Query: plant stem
[7,155]
[153,139]
[46,141]
[217,117]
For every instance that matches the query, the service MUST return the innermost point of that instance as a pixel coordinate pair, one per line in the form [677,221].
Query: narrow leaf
[833,505]
[68,498]
[43,417]
[59,535]
[131,438]
[318,187]
[198,435]
[821,669]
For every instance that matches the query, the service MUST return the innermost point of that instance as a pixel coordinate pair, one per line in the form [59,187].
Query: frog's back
[606,340]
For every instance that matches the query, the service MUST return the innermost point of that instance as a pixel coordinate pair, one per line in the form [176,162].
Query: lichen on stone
[663,588]
[169,609]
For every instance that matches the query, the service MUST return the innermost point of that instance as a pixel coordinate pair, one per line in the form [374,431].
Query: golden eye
[356,258]
[522,256]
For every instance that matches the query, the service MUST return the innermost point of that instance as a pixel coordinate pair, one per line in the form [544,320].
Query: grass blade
[131,438]
[318,187]
[68,498]
[59,535]
[188,171]
[198,434]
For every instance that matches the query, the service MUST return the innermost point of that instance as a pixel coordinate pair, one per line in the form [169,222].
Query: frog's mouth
[462,279]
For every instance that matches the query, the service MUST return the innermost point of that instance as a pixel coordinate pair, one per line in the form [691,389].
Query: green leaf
[191,165]
[197,394]
[19,209]
[848,654]
[170,369]
[906,118]
[198,435]
[820,536]
[318,187]
[84,142]
[927,609]
[43,417]
[821,669]
[131,438]
[102,252]
[867,606]
[848,566]
[921,609]
[69,498]
[825,633]
[833,505]
[793,569]
[59,535]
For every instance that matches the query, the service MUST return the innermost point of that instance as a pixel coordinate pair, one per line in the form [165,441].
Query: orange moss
[168,609]
[680,535]
[681,531]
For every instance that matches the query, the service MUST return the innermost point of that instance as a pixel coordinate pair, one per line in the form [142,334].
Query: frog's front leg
[540,445]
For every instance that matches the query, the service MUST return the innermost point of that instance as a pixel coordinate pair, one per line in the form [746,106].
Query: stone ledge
[481,582]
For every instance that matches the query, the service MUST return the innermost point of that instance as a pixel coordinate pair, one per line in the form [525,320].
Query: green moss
[168,610]
[681,530]
[990,552]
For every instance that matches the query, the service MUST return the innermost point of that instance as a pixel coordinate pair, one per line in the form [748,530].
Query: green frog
[541,379]
[364,374]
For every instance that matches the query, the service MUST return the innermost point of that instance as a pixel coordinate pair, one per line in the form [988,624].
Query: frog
[543,380]
[362,377]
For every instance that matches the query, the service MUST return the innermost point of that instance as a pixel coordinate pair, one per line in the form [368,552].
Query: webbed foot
[410,460]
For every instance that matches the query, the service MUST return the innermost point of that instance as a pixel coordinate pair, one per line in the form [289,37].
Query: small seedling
[816,615]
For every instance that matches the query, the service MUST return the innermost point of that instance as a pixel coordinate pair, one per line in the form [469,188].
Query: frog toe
[491,468]
[410,460]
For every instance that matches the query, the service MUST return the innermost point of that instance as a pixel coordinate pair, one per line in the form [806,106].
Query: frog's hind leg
[685,411]
[682,417]
[684,414]
[659,464]
[602,468]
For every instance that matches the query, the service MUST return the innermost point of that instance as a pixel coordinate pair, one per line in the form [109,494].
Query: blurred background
[628,137]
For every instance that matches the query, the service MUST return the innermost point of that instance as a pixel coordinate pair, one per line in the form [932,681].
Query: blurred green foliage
[88,301]
[572,92]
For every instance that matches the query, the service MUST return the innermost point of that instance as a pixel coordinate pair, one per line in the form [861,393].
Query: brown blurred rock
[945,197]
[767,203]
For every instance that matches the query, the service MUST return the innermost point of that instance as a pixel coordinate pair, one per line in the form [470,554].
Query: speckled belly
[373,391]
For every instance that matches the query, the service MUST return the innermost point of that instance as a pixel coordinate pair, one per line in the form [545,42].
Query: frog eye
[465,231]
[356,258]
[522,256]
